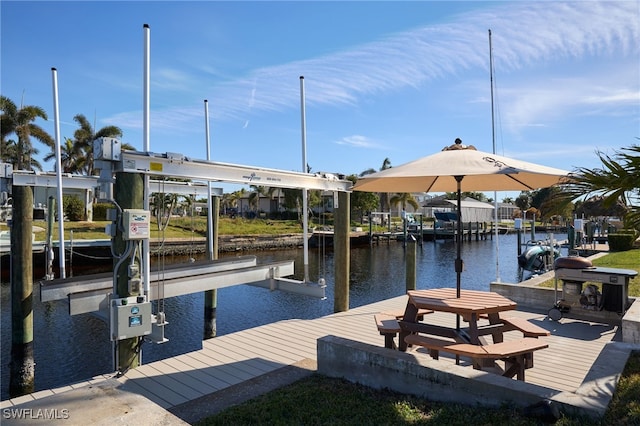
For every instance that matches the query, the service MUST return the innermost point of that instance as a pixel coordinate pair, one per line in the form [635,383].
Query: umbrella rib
[520,182]
[432,183]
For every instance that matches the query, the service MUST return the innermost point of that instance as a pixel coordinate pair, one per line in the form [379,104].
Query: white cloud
[525,35]
[358,141]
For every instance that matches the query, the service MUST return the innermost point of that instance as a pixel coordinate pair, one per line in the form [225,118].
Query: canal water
[73,348]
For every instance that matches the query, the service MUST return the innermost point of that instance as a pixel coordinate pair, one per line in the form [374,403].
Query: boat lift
[90,293]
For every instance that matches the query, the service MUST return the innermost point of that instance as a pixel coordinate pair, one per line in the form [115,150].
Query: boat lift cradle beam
[90,294]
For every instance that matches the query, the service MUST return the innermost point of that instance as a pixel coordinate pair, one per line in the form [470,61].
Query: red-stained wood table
[471,305]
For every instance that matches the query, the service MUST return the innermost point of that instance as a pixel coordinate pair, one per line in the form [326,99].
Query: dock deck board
[230,359]
[573,346]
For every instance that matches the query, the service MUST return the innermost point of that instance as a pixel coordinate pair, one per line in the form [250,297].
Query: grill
[574,271]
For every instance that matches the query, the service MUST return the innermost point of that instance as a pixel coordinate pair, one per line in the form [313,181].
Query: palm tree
[404,199]
[617,180]
[254,197]
[84,137]
[72,160]
[232,199]
[384,197]
[163,204]
[523,202]
[19,121]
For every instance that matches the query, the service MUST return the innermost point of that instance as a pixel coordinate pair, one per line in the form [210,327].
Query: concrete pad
[104,403]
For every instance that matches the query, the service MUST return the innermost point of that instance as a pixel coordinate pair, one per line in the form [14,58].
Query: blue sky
[397,80]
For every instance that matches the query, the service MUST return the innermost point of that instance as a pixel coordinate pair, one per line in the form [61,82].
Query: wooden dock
[228,360]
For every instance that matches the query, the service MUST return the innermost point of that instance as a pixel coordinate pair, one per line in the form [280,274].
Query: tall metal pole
[213,210]
[56,120]
[305,207]
[211,254]
[493,138]
[146,258]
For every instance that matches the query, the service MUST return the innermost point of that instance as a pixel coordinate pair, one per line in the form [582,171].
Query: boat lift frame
[178,165]
[87,294]
[48,180]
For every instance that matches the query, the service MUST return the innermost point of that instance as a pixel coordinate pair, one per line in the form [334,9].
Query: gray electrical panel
[129,318]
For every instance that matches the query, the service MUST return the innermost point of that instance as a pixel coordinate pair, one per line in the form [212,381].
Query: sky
[397,80]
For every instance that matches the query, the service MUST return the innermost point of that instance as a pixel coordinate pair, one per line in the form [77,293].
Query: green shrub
[73,208]
[621,241]
[100,211]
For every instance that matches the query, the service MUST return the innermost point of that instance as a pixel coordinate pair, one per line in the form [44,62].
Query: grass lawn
[320,400]
[179,227]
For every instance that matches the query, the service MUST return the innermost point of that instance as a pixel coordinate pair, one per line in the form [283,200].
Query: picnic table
[472,306]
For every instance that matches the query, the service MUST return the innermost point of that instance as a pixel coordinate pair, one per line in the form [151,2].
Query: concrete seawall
[418,374]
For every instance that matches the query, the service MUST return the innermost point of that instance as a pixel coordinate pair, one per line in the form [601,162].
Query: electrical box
[107,149]
[129,318]
[136,224]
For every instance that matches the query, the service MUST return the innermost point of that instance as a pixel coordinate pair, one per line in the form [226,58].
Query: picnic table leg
[515,366]
[410,315]
[497,335]
[473,329]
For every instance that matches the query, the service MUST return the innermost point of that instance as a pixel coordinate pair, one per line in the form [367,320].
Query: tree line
[610,190]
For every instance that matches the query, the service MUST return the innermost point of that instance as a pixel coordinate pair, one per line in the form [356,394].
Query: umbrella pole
[459,265]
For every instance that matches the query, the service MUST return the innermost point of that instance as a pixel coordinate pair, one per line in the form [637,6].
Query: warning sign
[136,222]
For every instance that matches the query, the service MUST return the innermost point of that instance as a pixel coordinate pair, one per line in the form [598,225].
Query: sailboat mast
[493,140]
[493,130]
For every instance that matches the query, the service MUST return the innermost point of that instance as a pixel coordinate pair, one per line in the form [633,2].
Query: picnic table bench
[527,328]
[517,354]
[389,327]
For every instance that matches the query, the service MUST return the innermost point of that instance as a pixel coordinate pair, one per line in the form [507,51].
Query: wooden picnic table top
[469,302]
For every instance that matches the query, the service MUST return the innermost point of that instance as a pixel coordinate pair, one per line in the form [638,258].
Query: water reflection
[72,348]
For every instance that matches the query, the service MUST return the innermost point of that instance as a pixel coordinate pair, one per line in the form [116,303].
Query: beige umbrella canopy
[481,171]
[459,167]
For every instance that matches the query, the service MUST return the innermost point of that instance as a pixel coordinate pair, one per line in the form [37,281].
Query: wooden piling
[342,257]
[129,194]
[22,366]
[410,265]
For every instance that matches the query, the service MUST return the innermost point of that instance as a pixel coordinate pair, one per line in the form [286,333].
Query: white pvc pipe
[56,120]
[305,207]
[209,195]
[146,260]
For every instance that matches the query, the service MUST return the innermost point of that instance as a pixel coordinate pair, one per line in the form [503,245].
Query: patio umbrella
[458,166]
